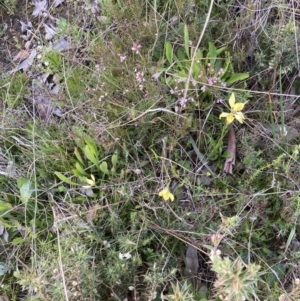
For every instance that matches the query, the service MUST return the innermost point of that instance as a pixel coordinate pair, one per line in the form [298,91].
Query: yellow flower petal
[232,100]
[166,194]
[230,118]
[238,107]
[166,197]
[163,192]
[224,115]
[239,117]
[90,182]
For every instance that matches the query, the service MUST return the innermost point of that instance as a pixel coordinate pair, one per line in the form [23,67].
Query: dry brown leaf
[21,55]
[57,2]
[50,31]
[26,63]
[231,149]
[40,8]
[91,214]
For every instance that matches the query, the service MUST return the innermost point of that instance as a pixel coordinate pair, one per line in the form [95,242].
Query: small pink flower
[122,57]
[139,76]
[221,71]
[203,88]
[212,80]
[220,100]
[136,48]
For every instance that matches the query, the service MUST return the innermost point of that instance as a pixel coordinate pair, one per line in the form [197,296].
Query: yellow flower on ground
[235,109]
[166,194]
[91,182]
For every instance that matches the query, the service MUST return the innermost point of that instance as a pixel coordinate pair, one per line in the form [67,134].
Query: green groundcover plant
[149,150]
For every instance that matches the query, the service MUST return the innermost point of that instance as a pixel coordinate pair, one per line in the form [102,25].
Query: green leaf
[220,50]
[236,77]
[114,160]
[64,178]
[200,156]
[212,53]
[182,74]
[21,181]
[76,173]
[4,207]
[226,154]
[180,64]
[290,238]
[26,191]
[18,241]
[78,156]
[199,54]
[103,167]
[91,154]
[90,142]
[227,66]
[181,55]
[196,70]
[169,52]
[186,41]
[80,169]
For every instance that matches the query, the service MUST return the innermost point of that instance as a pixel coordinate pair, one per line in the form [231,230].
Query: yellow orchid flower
[166,194]
[91,182]
[235,109]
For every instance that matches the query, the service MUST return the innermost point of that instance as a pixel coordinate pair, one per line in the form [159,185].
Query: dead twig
[231,149]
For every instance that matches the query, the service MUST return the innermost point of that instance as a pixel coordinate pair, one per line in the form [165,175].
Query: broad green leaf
[103,167]
[78,156]
[90,142]
[227,66]
[212,53]
[114,160]
[236,77]
[180,64]
[80,169]
[199,54]
[182,74]
[278,272]
[226,154]
[170,81]
[18,241]
[4,207]
[220,50]
[169,52]
[196,70]
[64,178]
[200,156]
[21,181]
[76,173]
[26,191]
[181,55]
[91,154]
[186,41]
